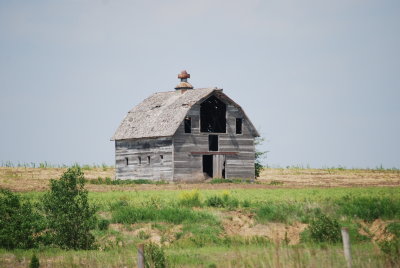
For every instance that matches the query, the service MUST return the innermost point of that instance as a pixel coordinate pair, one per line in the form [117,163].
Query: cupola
[184,84]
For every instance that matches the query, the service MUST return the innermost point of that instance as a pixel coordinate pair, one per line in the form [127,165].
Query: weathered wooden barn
[185,135]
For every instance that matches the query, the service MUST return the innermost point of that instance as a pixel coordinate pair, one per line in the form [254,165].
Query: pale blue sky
[320,79]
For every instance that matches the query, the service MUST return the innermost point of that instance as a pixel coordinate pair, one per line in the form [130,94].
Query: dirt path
[37,179]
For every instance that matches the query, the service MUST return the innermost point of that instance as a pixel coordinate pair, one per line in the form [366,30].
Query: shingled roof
[161,114]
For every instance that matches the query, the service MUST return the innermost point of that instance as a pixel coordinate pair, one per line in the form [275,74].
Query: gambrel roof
[161,114]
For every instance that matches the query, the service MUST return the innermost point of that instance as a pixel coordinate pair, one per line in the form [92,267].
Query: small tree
[69,215]
[19,222]
[258,157]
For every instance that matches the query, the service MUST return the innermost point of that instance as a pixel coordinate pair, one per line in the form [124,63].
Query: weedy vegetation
[68,226]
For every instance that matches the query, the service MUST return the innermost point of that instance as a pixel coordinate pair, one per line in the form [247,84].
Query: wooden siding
[157,169]
[189,167]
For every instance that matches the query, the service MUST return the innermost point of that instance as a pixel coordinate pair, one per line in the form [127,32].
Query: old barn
[185,135]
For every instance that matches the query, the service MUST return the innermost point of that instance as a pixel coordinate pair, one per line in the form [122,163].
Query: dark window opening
[213,115]
[239,122]
[188,125]
[148,160]
[213,142]
[161,159]
[223,170]
[208,165]
[139,160]
[126,161]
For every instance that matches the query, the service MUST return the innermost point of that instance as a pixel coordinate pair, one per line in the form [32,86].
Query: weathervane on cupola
[184,84]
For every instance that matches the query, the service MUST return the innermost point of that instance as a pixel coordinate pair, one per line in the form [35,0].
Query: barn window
[239,122]
[148,160]
[139,160]
[213,142]
[126,161]
[188,124]
[161,159]
[213,116]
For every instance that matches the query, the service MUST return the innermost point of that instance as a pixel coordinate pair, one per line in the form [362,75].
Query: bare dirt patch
[237,223]
[376,230]
[146,231]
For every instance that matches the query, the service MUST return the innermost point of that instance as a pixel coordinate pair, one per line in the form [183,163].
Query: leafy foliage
[19,223]
[103,224]
[324,229]
[154,256]
[190,199]
[70,217]
[258,167]
[225,200]
[34,262]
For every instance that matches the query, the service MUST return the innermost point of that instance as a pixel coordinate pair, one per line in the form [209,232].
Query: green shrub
[154,256]
[190,199]
[324,229]
[34,262]
[143,235]
[225,200]
[215,201]
[391,249]
[19,223]
[394,228]
[70,217]
[103,224]
[369,208]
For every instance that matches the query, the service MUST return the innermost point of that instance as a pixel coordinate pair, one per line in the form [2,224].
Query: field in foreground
[229,225]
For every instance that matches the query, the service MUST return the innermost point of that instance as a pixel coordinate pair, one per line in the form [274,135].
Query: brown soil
[376,230]
[235,223]
[37,179]
[151,234]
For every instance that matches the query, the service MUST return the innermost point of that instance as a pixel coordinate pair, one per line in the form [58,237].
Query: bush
[69,215]
[19,223]
[34,262]
[222,201]
[103,224]
[394,228]
[215,201]
[324,229]
[190,199]
[392,248]
[154,256]
[369,208]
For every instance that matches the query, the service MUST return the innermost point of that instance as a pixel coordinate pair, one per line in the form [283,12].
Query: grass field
[264,224]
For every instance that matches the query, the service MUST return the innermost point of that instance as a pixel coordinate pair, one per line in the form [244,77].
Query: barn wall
[157,169]
[188,167]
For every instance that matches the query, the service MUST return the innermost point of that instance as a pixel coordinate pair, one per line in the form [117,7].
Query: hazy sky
[319,79]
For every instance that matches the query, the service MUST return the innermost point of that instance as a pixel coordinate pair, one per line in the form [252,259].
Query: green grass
[201,242]
[176,215]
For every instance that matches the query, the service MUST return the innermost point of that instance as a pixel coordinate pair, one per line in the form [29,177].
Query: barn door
[218,166]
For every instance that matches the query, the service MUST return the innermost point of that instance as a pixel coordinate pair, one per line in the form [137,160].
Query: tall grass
[176,215]
[369,208]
